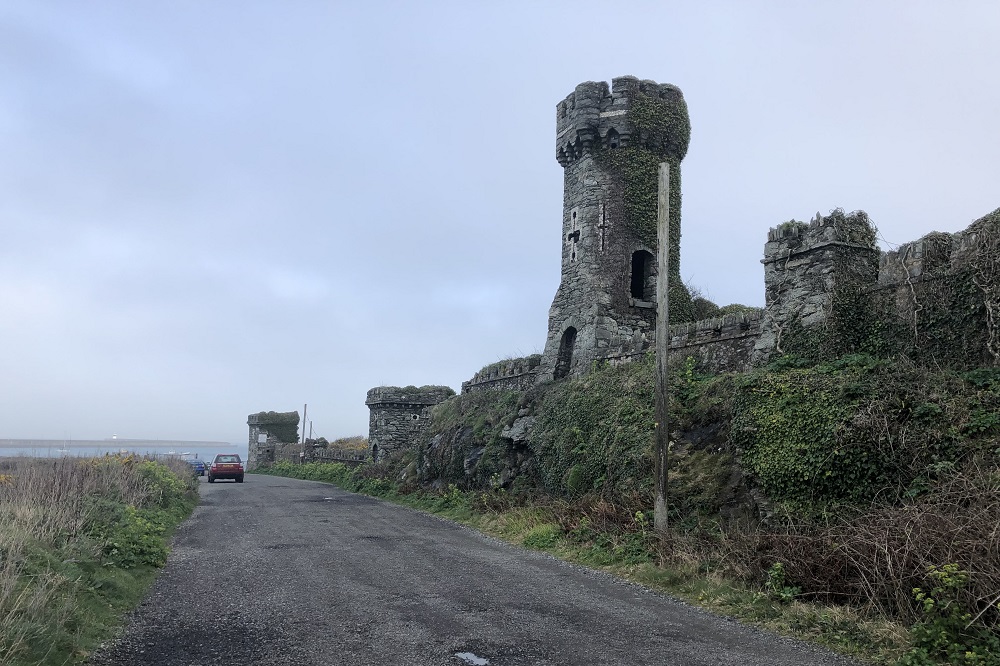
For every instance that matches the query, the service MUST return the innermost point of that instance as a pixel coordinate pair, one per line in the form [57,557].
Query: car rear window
[227,459]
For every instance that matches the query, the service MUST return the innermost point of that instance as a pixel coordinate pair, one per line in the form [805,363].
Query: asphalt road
[281,571]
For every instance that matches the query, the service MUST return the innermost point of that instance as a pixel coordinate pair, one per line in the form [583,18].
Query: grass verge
[81,540]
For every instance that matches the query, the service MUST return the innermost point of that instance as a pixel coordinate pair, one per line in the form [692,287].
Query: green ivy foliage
[858,427]
[282,425]
[947,633]
[662,124]
[634,172]
[595,434]
[662,131]
[522,364]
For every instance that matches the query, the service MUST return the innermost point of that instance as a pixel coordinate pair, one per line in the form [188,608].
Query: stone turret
[399,415]
[610,143]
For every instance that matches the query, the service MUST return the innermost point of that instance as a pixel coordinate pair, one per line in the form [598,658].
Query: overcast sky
[215,208]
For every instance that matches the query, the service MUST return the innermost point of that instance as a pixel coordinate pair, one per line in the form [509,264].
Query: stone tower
[610,144]
[400,415]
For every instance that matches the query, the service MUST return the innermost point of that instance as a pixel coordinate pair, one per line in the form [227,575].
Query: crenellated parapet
[513,374]
[633,112]
[837,229]
[382,396]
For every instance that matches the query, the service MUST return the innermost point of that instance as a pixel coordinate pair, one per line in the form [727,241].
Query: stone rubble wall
[263,454]
[805,264]
[720,344]
[935,255]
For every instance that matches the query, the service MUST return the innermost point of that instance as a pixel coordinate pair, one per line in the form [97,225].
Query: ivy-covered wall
[277,427]
[513,374]
[830,292]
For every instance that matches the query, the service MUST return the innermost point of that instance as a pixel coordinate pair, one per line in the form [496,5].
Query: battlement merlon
[408,395]
[632,112]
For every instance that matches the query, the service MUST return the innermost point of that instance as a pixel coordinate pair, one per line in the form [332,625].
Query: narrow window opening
[573,237]
[565,356]
[642,286]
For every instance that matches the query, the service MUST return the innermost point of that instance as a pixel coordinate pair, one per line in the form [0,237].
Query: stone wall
[829,290]
[939,292]
[720,344]
[516,374]
[400,415]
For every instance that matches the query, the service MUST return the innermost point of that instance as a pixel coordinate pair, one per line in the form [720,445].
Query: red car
[226,466]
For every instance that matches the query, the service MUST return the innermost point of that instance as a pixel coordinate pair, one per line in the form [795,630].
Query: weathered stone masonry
[516,374]
[399,415]
[804,265]
[605,300]
[604,308]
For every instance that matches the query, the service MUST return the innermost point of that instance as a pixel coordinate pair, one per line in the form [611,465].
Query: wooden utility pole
[305,408]
[662,346]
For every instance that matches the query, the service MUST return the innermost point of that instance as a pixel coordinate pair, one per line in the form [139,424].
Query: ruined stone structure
[719,343]
[828,288]
[609,143]
[269,432]
[399,415]
[804,267]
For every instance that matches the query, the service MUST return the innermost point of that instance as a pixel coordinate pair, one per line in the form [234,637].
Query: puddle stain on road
[470,658]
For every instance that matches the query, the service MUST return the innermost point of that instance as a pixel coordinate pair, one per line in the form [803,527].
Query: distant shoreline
[108,443]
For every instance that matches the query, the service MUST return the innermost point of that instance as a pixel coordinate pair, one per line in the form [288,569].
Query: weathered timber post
[662,346]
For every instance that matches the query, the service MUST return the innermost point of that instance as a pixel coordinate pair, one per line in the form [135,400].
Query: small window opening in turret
[612,139]
[643,283]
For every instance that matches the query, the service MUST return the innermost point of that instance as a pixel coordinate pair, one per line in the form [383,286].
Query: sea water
[51,448]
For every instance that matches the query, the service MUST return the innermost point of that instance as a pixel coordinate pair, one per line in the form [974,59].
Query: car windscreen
[227,459]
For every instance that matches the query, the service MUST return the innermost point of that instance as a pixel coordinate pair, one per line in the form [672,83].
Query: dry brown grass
[42,506]
[356,443]
[876,557]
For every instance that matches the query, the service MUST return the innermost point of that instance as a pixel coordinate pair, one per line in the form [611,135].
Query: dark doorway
[565,357]
[643,284]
